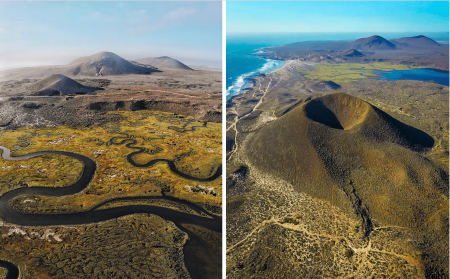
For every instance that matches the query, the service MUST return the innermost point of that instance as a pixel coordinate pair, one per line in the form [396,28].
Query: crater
[337,111]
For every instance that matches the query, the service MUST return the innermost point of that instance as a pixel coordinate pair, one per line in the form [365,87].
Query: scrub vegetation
[322,184]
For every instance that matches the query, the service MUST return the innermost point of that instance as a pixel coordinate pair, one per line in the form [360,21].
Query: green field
[346,72]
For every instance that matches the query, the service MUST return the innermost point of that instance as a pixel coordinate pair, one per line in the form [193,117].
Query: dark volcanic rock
[352,53]
[416,42]
[162,62]
[373,43]
[104,63]
[325,85]
[31,106]
[56,85]
[322,142]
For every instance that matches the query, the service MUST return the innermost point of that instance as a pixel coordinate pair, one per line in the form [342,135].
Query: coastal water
[242,65]
[417,74]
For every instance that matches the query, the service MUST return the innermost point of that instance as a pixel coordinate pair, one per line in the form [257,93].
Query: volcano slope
[163,62]
[56,85]
[336,188]
[344,150]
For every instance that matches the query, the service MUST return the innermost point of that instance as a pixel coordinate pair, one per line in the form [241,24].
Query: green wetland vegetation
[347,72]
[141,161]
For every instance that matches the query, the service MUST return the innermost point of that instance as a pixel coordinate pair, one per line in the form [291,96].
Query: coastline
[246,80]
[286,64]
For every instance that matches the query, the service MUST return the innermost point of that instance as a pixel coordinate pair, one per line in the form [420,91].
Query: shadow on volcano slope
[343,112]
[341,149]
[56,85]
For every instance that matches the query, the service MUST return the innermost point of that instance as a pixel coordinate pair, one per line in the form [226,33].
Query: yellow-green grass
[346,72]
[138,245]
[196,153]
[47,170]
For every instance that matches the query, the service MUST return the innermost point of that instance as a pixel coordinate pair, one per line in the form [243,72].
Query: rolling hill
[373,43]
[163,62]
[416,42]
[57,84]
[352,53]
[100,64]
[103,63]
[324,85]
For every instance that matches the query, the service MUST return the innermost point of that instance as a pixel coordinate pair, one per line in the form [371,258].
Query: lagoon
[424,74]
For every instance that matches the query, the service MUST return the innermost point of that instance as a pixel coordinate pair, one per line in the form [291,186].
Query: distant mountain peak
[374,42]
[419,41]
[105,63]
[163,62]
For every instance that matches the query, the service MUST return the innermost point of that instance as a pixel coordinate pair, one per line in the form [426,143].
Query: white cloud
[179,15]
[142,22]
[96,14]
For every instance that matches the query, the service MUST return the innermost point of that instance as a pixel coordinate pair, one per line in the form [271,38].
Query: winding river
[12,270]
[192,249]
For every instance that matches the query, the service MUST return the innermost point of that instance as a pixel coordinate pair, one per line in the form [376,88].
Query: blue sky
[52,33]
[337,16]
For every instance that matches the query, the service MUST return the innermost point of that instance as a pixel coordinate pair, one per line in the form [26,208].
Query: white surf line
[235,147]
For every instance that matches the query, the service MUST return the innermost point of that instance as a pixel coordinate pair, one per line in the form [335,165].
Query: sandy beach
[287,63]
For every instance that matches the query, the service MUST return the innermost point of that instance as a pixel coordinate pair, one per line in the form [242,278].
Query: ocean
[242,65]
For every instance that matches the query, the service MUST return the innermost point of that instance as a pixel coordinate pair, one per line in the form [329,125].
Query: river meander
[7,214]
[197,257]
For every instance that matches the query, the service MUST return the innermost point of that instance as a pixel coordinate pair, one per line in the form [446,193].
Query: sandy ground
[287,63]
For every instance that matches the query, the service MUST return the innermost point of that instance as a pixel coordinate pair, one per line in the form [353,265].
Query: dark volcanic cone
[416,42]
[373,43]
[344,150]
[100,64]
[163,62]
[352,53]
[324,85]
[104,63]
[56,85]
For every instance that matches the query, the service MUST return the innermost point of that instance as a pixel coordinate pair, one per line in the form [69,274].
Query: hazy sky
[54,33]
[337,16]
